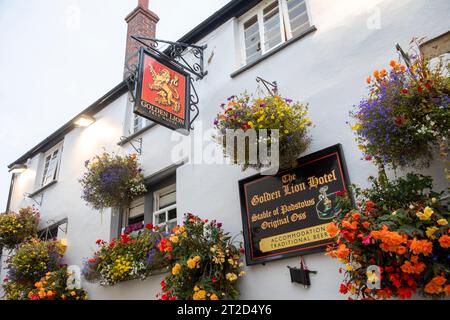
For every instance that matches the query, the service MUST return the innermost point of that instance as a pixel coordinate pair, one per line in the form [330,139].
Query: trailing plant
[29,263]
[54,286]
[204,262]
[399,228]
[16,228]
[406,117]
[112,181]
[269,112]
[129,257]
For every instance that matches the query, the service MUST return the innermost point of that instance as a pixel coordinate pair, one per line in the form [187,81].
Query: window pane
[136,207]
[298,16]
[252,39]
[160,218]
[172,214]
[50,166]
[271,21]
[167,199]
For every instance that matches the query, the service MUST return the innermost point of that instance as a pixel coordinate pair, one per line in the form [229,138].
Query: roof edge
[59,134]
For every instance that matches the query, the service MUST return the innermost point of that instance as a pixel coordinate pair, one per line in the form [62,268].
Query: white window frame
[42,179]
[285,26]
[157,211]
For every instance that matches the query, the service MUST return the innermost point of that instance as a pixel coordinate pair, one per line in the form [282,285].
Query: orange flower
[393,64]
[444,241]
[435,285]
[366,224]
[407,267]
[356,216]
[447,289]
[332,229]
[390,240]
[401,250]
[383,73]
[376,74]
[342,252]
[421,247]
[348,225]
[369,79]
[419,268]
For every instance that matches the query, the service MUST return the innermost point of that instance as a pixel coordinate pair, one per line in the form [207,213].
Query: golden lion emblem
[167,88]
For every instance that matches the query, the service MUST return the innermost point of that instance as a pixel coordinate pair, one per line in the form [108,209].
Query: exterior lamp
[18,168]
[84,121]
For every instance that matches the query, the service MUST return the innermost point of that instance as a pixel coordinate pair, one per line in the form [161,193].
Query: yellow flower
[231,261]
[349,267]
[73,293]
[356,127]
[286,131]
[250,124]
[174,239]
[199,295]
[442,222]
[194,262]
[231,277]
[176,269]
[433,200]
[214,297]
[426,214]
[430,232]
[196,288]
[242,273]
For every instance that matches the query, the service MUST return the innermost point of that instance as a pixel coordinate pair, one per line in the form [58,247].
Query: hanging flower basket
[54,287]
[30,262]
[204,262]
[395,242]
[269,112]
[406,116]
[130,257]
[112,181]
[16,228]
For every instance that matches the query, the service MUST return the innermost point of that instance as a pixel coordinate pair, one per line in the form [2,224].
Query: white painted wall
[326,69]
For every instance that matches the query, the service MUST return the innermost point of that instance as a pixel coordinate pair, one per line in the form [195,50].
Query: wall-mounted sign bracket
[174,53]
[30,196]
[135,143]
[271,87]
[404,55]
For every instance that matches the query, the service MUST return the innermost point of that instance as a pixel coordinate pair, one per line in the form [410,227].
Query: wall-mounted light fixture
[18,168]
[84,121]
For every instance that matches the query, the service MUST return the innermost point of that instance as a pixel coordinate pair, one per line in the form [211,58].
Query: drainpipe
[11,186]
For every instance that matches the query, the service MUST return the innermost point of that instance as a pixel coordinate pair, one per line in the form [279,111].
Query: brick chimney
[141,22]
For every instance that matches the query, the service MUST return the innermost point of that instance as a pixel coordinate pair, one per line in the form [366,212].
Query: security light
[84,121]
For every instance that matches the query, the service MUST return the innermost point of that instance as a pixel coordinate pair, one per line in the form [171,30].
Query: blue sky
[57,57]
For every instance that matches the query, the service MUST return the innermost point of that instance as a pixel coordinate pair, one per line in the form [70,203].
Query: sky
[59,56]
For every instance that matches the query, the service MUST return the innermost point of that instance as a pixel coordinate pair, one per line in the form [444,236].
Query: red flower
[399,120]
[242,250]
[404,293]
[149,226]
[340,193]
[125,238]
[214,279]
[91,260]
[419,89]
[100,242]
[428,85]
[405,91]
[368,158]
[343,289]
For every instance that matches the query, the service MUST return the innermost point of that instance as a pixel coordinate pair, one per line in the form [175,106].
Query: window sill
[272,52]
[135,135]
[40,190]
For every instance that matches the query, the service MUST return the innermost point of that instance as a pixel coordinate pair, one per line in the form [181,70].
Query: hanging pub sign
[162,92]
[287,214]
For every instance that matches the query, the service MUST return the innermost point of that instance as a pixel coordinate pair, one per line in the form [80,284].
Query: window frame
[49,153]
[285,27]
[157,211]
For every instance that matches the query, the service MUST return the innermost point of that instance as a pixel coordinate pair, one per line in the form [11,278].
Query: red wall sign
[162,92]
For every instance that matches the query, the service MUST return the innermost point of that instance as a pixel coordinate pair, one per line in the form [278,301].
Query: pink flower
[367,240]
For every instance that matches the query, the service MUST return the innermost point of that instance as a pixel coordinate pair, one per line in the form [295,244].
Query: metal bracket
[272,91]
[132,141]
[404,55]
[175,51]
[39,203]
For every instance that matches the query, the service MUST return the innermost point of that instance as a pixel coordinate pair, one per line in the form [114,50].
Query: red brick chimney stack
[141,22]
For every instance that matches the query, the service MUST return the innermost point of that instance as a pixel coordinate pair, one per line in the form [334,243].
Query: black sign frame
[250,258]
[142,111]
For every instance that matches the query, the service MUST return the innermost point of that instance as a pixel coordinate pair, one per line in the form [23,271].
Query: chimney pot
[143,4]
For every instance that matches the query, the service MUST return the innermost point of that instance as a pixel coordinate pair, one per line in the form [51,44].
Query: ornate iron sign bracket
[173,52]
[138,141]
[274,87]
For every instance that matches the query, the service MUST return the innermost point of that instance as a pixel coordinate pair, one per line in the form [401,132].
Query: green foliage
[16,228]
